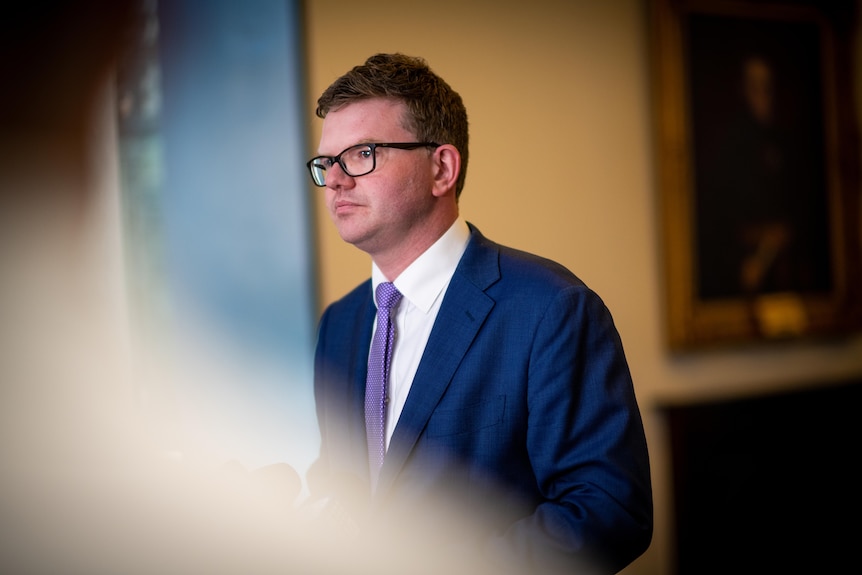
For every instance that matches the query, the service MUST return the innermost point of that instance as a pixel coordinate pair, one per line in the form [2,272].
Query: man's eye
[360,154]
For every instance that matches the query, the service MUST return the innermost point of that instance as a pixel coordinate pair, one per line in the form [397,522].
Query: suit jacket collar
[462,313]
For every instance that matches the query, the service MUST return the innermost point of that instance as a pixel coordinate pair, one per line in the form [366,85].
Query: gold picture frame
[757,170]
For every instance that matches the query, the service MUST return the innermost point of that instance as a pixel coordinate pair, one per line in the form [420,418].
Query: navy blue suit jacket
[522,413]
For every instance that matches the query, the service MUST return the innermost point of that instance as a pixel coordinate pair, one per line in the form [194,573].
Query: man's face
[382,210]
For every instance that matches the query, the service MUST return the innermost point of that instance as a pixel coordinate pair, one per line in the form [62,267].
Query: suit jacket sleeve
[586,446]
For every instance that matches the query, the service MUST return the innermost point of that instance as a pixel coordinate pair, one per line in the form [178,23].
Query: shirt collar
[424,279]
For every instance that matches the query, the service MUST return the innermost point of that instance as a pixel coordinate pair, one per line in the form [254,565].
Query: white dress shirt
[422,285]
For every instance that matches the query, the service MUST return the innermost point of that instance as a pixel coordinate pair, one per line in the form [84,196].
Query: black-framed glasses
[358,160]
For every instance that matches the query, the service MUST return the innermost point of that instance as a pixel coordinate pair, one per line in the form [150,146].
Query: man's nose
[336,177]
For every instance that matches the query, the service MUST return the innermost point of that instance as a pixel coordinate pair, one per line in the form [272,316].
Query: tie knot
[387,295]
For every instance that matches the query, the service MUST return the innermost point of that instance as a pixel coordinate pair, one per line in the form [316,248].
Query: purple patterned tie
[378,375]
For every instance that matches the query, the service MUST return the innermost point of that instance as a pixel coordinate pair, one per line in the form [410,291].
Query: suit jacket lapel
[462,313]
[354,372]
[359,360]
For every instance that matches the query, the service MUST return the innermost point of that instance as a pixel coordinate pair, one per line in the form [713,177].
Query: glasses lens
[358,160]
[317,167]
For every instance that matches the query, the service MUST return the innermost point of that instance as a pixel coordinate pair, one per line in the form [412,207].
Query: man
[507,399]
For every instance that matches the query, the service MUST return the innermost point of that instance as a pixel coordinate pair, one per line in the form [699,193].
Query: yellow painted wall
[557,92]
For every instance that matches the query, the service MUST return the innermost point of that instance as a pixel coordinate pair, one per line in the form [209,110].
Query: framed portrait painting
[757,164]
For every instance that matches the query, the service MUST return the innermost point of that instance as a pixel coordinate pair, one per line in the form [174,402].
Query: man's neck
[398,259]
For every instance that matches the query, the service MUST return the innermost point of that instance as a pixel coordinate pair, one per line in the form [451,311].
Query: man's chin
[355,237]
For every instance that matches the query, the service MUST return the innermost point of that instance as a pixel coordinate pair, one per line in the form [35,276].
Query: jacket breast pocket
[467,418]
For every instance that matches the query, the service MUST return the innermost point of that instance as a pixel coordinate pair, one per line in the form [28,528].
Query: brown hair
[435,112]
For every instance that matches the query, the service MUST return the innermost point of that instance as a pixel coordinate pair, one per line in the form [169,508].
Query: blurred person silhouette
[59,328]
[506,397]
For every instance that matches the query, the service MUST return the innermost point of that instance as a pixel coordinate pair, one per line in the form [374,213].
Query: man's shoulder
[357,298]
[520,266]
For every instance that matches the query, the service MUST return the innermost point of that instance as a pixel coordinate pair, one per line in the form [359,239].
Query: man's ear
[447,166]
